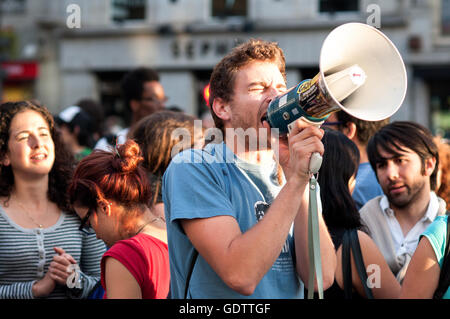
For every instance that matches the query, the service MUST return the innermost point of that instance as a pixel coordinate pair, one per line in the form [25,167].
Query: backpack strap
[350,240]
[444,276]
[361,268]
[189,274]
[346,266]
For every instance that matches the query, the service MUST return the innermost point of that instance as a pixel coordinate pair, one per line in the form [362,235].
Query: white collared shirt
[406,245]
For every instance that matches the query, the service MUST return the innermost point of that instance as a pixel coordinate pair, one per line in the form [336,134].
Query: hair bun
[127,156]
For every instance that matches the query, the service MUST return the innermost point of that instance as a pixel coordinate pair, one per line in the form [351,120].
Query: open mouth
[39,157]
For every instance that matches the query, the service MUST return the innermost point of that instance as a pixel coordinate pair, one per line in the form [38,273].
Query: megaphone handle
[316,159]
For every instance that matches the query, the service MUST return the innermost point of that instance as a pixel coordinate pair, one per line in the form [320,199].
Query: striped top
[25,255]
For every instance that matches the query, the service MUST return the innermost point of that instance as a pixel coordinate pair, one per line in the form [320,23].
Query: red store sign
[20,71]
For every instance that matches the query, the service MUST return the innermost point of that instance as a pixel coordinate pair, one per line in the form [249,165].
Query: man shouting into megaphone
[236,211]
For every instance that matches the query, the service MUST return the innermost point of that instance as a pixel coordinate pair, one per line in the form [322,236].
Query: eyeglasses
[155,99]
[84,226]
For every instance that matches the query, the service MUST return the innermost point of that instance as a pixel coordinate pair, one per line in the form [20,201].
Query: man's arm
[242,259]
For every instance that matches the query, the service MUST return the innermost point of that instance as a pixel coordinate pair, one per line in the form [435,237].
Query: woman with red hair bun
[110,192]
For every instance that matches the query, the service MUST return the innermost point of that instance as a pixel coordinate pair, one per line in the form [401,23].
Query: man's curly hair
[61,172]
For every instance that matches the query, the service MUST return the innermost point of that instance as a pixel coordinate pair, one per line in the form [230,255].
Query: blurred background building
[47,54]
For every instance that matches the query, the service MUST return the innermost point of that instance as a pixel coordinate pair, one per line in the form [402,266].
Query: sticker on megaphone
[312,100]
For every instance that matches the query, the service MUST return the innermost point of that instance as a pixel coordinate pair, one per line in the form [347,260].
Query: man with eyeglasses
[360,132]
[143,95]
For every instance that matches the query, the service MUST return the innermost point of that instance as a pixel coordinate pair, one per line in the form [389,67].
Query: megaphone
[361,72]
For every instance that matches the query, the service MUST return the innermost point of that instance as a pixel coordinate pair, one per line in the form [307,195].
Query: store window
[12,6]
[117,116]
[128,10]
[331,6]
[229,8]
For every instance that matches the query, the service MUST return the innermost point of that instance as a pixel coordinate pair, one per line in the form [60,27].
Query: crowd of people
[161,209]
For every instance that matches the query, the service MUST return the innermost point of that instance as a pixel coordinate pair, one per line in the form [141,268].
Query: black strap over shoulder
[444,276]
[351,241]
[191,269]
[346,266]
[356,249]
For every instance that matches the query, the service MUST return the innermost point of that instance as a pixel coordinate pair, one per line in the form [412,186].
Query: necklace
[29,216]
[152,221]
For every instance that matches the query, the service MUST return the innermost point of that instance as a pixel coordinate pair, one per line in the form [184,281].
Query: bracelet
[75,283]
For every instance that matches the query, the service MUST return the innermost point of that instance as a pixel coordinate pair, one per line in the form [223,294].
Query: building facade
[83,47]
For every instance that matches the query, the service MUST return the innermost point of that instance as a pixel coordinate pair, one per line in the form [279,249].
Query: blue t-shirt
[366,186]
[436,233]
[213,182]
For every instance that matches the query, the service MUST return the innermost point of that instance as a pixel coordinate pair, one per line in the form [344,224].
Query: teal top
[437,234]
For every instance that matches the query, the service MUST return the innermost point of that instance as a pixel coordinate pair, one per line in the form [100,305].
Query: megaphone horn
[361,72]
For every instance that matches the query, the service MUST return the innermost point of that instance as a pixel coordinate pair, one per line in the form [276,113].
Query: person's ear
[349,130]
[134,105]
[5,161]
[222,109]
[430,164]
[106,208]
[76,130]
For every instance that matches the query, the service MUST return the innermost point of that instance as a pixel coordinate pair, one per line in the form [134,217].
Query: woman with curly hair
[42,251]
[111,193]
